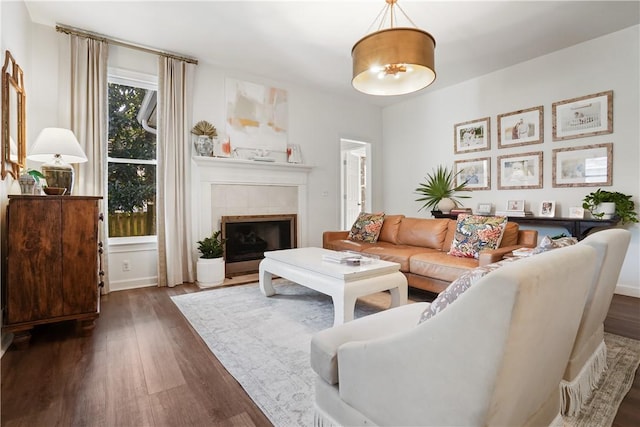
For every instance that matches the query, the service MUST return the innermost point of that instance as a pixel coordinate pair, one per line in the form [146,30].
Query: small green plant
[440,184]
[625,208]
[35,174]
[212,247]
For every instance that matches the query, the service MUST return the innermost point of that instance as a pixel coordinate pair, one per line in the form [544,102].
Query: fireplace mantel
[230,167]
[210,171]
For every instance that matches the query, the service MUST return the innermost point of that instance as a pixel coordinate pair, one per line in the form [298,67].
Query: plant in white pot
[210,265]
[439,189]
[605,204]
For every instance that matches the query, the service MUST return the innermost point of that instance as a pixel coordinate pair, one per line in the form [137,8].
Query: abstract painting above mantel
[257,116]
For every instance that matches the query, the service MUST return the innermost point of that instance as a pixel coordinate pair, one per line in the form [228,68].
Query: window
[131,158]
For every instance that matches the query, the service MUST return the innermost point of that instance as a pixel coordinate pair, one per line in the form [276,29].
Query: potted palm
[438,190]
[210,265]
[608,204]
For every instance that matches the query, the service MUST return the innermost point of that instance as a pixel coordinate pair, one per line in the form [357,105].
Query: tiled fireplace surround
[246,187]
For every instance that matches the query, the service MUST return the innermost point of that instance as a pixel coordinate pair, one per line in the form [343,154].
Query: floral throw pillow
[458,286]
[475,233]
[367,227]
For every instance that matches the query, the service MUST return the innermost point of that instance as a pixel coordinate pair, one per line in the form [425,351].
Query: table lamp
[57,147]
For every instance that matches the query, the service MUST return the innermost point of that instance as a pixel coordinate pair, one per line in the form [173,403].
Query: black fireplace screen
[248,237]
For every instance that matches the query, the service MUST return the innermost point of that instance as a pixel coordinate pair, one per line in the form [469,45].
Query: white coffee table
[343,283]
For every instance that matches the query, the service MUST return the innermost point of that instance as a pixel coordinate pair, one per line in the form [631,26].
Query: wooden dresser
[52,263]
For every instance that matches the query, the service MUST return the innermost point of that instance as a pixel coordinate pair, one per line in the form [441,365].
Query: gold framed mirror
[14,142]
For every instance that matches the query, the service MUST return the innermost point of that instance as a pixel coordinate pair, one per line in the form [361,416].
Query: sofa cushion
[510,235]
[367,227]
[457,288]
[441,266]
[348,245]
[390,227]
[475,233]
[401,254]
[428,233]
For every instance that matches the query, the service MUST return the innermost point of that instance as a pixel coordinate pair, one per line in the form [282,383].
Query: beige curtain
[89,122]
[175,260]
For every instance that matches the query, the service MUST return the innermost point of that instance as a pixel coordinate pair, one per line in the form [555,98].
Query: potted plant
[620,205]
[30,182]
[205,132]
[439,188]
[210,265]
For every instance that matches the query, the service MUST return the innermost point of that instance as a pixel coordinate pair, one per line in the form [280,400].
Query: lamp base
[59,174]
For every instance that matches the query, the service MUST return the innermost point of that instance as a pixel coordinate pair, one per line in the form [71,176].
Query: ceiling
[309,42]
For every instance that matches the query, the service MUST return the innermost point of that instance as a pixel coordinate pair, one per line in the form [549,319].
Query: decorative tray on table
[350,258]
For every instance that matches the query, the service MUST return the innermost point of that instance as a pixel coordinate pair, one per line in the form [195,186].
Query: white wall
[317,121]
[418,133]
[14,37]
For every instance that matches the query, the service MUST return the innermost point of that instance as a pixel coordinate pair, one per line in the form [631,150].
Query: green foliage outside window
[131,185]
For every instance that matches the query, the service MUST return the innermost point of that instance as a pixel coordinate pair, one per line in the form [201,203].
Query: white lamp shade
[53,141]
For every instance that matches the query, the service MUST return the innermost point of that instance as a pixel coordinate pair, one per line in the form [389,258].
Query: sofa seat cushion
[441,266]
[348,245]
[396,253]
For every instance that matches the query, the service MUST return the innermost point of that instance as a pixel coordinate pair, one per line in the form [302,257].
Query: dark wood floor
[145,366]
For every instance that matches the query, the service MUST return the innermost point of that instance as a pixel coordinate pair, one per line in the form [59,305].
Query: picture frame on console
[520,171]
[484,209]
[475,172]
[585,166]
[474,135]
[547,208]
[515,206]
[584,116]
[576,212]
[522,127]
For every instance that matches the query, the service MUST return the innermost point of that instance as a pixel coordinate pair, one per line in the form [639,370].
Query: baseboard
[141,282]
[629,291]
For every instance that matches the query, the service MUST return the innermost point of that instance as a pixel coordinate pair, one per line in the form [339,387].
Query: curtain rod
[81,33]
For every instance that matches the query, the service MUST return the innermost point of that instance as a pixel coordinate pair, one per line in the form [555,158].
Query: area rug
[264,343]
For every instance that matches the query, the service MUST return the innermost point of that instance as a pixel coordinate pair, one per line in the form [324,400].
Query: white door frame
[349,147]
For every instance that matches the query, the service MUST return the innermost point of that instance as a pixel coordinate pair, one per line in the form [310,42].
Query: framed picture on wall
[520,171]
[476,172]
[474,135]
[584,116]
[521,127]
[586,166]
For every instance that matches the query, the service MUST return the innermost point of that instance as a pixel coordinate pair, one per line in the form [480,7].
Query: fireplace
[249,236]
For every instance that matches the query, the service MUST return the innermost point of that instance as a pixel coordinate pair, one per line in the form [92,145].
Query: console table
[578,227]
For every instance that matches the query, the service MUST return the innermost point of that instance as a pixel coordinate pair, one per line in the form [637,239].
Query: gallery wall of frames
[587,165]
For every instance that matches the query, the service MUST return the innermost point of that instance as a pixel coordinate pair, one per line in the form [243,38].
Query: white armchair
[588,358]
[495,356]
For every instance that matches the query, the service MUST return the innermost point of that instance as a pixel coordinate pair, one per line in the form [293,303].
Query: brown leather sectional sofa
[420,246]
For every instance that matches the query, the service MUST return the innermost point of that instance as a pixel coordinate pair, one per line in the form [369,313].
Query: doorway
[355,180]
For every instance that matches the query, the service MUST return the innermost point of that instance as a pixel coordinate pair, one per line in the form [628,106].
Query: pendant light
[393,61]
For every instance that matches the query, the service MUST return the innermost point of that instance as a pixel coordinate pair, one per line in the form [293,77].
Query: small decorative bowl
[54,191]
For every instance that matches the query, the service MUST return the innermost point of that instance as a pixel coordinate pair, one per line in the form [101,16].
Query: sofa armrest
[528,238]
[489,256]
[325,344]
[329,236]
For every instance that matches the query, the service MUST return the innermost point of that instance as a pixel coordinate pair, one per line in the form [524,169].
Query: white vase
[445,205]
[209,272]
[608,209]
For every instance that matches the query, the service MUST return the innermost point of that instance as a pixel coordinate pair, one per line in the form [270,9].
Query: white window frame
[144,81]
